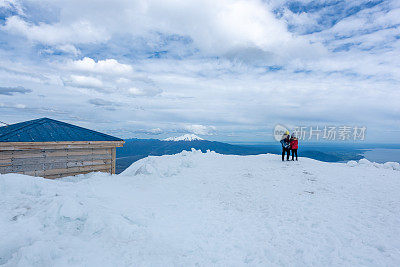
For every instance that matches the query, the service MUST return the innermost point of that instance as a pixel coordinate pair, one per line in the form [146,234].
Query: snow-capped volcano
[185,137]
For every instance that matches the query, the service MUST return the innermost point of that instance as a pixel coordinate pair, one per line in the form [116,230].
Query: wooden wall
[54,160]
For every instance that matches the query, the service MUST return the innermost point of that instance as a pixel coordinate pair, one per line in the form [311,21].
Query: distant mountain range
[135,149]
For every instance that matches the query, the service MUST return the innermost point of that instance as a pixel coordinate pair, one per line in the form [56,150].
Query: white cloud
[68,48]
[220,26]
[77,32]
[109,76]
[201,129]
[149,91]
[155,131]
[230,27]
[21,106]
[225,27]
[136,91]
[107,66]
[101,102]
[83,81]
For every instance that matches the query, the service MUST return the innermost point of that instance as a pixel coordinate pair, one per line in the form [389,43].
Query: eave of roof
[49,130]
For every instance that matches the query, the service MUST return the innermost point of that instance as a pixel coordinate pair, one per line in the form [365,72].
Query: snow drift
[206,209]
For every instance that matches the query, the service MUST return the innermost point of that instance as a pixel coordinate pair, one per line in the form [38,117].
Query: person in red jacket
[294,145]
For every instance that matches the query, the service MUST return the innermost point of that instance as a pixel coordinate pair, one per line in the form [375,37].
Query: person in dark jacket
[285,142]
[294,145]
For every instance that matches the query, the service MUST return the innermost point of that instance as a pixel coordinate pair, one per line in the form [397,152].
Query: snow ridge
[185,137]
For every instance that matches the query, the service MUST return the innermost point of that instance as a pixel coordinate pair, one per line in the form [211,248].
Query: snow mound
[185,137]
[366,163]
[205,209]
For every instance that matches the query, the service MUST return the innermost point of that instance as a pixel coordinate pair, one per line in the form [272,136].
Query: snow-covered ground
[206,209]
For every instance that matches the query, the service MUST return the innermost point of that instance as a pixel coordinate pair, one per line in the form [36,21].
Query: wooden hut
[53,149]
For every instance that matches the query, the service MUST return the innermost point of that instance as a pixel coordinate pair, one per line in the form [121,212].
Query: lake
[382,155]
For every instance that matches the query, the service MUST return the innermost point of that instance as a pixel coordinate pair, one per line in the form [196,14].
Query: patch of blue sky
[310,7]
[171,46]
[302,71]
[376,29]
[49,52]
[344,47]
[376,48]
[158,54]
[274,68]
[118,47]
[331,42]
[346,73]
[6,12]
[37,12]
[168,38]
[12,43]
[328,13]
[137,48]
[334,9]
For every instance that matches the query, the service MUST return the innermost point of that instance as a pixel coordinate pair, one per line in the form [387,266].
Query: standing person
[285,142]
[294,145]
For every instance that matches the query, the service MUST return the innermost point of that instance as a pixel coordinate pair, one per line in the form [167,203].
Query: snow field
[205,209]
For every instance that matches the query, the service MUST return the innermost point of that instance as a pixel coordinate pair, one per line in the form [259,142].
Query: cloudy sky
[226,70]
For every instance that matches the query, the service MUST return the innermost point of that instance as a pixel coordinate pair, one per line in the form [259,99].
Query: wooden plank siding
[58,145]
[58,159]
[75,173]
[42,153]
[113,159]
[70,171]
[51,165]
[5,162]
